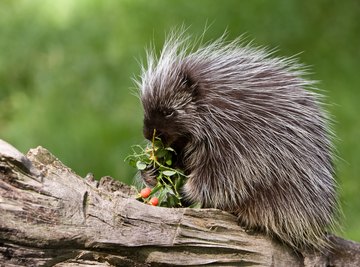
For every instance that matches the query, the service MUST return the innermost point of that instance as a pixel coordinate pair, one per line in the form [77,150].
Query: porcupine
[250,132]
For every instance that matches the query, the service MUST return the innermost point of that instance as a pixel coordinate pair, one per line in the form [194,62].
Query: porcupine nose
[148,132]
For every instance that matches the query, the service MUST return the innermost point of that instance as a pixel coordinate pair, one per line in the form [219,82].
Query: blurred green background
[66,70]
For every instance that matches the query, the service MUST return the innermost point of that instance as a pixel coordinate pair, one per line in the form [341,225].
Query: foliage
[159,160]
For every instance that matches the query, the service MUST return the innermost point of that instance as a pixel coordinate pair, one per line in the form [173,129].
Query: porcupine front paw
[149,177]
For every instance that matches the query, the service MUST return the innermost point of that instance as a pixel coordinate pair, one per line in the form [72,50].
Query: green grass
[66,71]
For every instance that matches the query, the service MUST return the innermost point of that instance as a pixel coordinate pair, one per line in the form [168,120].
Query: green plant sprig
[159,158]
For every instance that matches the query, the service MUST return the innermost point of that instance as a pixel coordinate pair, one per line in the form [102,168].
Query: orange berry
[145,192]
[154,201]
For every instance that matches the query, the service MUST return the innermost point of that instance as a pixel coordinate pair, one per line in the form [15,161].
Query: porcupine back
[251,134]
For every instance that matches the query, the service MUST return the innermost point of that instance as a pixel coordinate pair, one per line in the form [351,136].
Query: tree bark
[49,216]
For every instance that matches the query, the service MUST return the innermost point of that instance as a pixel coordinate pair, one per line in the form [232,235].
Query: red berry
[145,192]
[154,201]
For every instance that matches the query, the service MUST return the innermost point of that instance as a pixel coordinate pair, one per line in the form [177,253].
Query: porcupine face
[168,103]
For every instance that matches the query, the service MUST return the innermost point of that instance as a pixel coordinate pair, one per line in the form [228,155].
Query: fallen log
[50,216]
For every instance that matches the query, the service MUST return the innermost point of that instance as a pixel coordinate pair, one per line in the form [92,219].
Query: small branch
[52,217]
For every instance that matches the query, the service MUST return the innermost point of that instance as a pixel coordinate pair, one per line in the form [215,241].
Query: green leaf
[170,149]
[131,162]
[169,173]
[169,190]
[168,162]
[179,182]
[156,189]
[158,143]
[172,201]
[161,153]
[141,165]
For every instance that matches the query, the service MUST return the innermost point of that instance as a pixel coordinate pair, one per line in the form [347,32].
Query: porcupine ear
[189,84]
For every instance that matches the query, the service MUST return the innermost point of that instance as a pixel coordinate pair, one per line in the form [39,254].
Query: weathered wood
[49,216]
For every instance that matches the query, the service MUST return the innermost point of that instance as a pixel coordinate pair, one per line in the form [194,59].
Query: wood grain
[50,216]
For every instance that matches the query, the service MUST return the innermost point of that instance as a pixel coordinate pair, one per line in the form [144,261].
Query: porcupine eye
[168,113]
